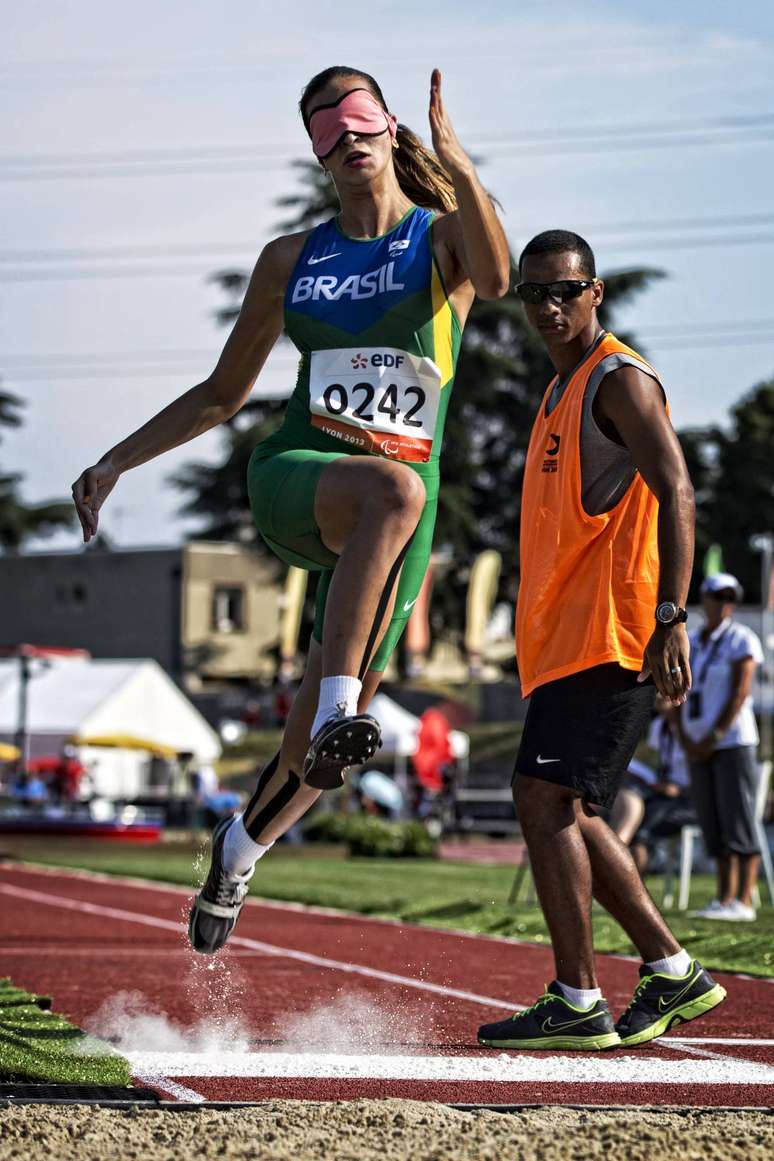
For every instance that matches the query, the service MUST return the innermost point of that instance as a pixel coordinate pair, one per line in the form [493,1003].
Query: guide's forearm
[486,247]
[193,413]
[676,528]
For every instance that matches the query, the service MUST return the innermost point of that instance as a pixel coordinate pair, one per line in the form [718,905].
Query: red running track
[334,1006]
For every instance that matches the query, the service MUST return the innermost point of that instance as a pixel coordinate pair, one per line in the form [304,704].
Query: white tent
[84,698]
[401,728]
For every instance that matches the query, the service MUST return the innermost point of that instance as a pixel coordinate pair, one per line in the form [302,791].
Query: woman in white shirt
[720,737]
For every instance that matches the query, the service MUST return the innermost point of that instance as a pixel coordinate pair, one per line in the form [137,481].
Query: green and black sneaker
[661,1001]
[553,1022]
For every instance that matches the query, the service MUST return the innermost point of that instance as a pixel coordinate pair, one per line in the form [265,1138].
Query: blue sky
[85,81]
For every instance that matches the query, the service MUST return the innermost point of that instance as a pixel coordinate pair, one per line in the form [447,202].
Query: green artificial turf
[441,893]
[38,1045]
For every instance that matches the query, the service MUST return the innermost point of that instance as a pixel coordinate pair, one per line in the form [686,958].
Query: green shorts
[282,484]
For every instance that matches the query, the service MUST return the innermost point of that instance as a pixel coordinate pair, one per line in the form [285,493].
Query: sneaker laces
[638,991]
[538,1003]
[231,889]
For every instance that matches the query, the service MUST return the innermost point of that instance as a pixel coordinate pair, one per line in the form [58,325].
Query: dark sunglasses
[558,292]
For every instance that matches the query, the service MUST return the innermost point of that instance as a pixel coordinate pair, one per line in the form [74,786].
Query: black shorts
[582,731]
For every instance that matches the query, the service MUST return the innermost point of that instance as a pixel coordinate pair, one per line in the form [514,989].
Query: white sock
[240,852]
[580,997]
[335,693]
[674,965]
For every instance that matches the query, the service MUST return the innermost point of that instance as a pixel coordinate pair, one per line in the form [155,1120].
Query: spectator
[668,807]
[720,736]
[654,803]
[433,760]
[29,788]
[66,781]
[628,810]
[379,794]
[211,801]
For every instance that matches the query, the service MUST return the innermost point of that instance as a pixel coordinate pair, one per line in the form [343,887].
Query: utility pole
[763,542]
[22,733]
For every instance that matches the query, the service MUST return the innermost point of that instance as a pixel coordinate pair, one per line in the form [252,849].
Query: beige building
[231,609]
[206,611]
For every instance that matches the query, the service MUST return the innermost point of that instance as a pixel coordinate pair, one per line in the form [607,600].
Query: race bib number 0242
[378,399]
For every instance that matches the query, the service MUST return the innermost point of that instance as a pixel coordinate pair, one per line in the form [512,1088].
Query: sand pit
[391,1130]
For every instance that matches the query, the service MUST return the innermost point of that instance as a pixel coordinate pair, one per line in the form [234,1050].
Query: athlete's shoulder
[281,254]
[612,345]
[632,380]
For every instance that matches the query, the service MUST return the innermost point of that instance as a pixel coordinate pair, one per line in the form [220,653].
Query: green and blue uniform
[379,343]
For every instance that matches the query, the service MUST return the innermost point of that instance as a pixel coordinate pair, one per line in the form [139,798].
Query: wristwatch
[668,613]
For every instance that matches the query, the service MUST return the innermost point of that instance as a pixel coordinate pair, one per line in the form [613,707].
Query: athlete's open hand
[90,491]
[450,153]
[667,659]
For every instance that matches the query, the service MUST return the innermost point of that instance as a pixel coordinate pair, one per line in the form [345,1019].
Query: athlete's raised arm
[210,402]
[476,235]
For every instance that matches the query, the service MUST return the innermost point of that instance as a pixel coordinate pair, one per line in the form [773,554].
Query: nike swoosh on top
[545,761]
[409,604]
[549,1026]
[672,1000]
[324,258]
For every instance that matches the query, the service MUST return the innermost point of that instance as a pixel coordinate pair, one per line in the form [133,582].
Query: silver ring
[674,670]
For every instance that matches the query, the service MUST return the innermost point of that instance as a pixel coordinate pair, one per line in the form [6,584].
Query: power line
[202,249]
[8,274]
[119,357]
[751,123]
[143,250]
[691,329]
[105,272]
[156,354]
[692,223]
[161,370]
[218,159]
[744,121]
[689,243]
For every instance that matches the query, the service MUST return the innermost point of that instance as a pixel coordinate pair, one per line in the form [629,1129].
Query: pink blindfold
[356,112]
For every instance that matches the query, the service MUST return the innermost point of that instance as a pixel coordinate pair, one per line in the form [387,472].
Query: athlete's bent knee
[400,494]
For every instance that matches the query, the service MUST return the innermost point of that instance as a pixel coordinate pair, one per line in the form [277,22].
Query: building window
[228,609]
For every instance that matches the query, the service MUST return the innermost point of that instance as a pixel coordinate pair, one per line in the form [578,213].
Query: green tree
[18,521]
[502,374]
[733,473]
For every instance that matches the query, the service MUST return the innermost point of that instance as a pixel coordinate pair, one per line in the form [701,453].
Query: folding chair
[523,879]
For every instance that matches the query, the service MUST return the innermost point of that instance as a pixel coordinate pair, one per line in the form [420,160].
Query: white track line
[255,945]
[494,1069]
[315,909]
[178,1091]
[320,961]
[746,1043]
[694,1050]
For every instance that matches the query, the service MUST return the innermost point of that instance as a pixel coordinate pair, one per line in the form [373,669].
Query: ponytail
[419,172]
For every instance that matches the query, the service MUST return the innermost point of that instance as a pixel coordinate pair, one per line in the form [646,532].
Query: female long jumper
[375,300]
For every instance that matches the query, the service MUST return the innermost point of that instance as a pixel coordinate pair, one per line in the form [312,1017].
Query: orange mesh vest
[588,586]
